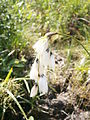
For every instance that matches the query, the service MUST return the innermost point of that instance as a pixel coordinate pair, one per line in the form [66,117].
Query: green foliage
[16,101]
[22,23]
[5,100]
[10,91]
[11,41]
[63,16]
[10,36]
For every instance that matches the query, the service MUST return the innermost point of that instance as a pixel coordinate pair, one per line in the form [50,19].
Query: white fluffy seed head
[41,45]
[43,85]
[34,70]
[34,91]
[45,58]
[52,62]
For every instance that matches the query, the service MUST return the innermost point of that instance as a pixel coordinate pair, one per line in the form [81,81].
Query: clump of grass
[5,100]
[9,91]
[80,89]
[81,94]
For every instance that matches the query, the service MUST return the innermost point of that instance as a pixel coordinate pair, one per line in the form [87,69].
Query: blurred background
[22,22]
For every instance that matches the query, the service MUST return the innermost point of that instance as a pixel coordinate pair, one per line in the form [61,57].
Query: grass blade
[16,101]
[27,86]
[8,76]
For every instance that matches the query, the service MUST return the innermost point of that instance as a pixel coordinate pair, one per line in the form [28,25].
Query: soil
[60,105]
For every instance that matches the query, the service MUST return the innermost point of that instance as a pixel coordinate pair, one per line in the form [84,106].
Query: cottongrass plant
[44,60]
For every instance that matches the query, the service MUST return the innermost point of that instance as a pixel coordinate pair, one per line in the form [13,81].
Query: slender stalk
[3,113]
[83,19]
[22,78]
[16,101]
[83,47]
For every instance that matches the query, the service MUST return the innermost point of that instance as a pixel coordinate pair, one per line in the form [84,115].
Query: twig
[83,19]
[64,112]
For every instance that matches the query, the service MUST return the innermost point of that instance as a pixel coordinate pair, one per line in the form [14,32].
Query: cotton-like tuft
[34,71]
[43,85]
[41,45]
[52,62]
[45,58]
[34,91]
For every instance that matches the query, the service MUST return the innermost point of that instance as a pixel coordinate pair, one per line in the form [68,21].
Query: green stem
[83,47]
